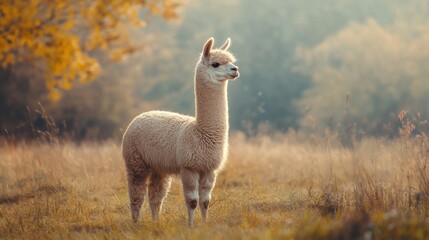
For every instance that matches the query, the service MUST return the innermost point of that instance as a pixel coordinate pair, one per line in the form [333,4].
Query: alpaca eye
[215,65]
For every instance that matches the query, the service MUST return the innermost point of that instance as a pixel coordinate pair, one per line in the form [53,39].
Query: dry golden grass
[272,188]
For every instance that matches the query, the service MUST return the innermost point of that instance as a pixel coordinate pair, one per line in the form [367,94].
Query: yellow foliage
[63,32]
[54,94]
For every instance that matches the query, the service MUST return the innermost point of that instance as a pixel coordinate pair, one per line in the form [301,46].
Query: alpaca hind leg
[158,189]
[206,184]
[190,191]
[137,188]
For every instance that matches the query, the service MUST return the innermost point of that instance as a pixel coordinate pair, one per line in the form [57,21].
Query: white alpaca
[158,144]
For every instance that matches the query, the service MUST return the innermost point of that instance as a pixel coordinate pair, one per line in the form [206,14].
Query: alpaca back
[153,136]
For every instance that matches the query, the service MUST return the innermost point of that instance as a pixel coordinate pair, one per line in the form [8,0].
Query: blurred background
[84,70]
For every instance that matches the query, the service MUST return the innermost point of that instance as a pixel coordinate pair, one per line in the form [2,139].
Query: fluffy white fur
[158,144]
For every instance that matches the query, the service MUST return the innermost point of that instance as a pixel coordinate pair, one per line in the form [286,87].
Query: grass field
[276,187]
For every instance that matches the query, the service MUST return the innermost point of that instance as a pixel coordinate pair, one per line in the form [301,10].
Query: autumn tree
[63,33]
[49,47]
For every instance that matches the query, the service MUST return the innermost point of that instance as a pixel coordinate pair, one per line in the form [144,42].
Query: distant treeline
[345,66]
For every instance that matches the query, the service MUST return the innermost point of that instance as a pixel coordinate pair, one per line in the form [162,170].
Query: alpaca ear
[206,50]
[226,45]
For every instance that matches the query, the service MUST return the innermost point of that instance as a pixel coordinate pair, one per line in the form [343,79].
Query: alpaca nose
[234,68]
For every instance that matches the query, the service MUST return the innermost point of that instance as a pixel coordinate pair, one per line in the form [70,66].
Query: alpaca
[159,144]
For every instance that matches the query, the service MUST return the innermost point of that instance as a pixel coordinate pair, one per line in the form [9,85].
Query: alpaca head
[217,65]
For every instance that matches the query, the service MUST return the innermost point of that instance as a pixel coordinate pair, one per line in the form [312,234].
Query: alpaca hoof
[135,217]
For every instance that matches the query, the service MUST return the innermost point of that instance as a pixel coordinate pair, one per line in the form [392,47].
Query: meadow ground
[273,187]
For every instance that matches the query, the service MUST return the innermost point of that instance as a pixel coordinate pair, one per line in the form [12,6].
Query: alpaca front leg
[190,190]
[206,184]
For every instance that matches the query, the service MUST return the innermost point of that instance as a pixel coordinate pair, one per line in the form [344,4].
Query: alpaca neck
[211,108]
